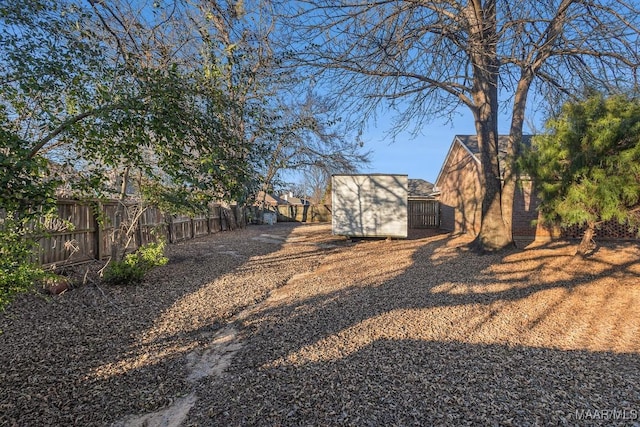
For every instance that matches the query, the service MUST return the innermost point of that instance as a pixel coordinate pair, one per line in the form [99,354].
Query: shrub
[16,278]
[18,272]
[25,196]
[132,269]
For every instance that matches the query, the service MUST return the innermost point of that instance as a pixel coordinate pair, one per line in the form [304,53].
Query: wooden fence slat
[87,239]
[295,213]
[424,213]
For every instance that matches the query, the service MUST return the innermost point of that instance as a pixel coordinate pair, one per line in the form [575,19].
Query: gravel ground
[288,325]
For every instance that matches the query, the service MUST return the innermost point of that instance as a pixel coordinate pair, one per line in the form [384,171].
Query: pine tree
[586,167]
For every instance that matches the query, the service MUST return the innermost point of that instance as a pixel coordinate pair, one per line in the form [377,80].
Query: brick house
[460,194]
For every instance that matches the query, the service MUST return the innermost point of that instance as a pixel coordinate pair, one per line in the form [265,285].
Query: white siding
[372,205]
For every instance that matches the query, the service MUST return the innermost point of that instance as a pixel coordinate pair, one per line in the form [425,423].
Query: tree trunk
[587,240]
[119,235]
[494,234]
[484,59]
[508,166]
[493,231]
[509,182]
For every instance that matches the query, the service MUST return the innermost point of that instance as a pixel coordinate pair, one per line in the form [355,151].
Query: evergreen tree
[586,167]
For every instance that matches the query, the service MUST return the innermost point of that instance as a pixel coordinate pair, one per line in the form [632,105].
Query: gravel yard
[289,325]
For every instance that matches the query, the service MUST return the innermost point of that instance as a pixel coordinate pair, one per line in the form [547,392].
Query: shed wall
[370,205]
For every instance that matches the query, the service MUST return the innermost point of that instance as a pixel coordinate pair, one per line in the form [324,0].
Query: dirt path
[212,359]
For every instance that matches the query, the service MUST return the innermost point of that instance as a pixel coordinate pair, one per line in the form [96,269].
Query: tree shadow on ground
[421,341]
[94,355]
[451,337]
[416,382]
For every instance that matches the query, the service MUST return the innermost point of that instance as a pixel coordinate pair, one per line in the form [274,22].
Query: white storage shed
[369,205]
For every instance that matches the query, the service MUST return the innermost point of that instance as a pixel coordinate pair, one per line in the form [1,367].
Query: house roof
[273,200]
[470,144]
[420,188]
[295,200]
[269,199]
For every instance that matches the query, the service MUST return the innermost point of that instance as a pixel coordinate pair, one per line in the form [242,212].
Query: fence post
[139,226]
[219,210]
[97,213]
[169,220]
[208,220]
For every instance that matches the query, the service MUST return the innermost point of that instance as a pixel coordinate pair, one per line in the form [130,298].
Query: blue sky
[420,156]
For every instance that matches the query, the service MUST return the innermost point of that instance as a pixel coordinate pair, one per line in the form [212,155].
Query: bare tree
[306,137]
[292,127]
[427,58]
[316,181]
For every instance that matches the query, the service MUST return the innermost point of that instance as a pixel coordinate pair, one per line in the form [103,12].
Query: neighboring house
[269,200]
[67,177]
[291,200]
[70,181]
[420,189]
[290,208]
[114,183]
[460,194]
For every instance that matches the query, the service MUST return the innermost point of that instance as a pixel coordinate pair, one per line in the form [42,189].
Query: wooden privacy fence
[304,213]
[84,230]
[424,213]
[295,213]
